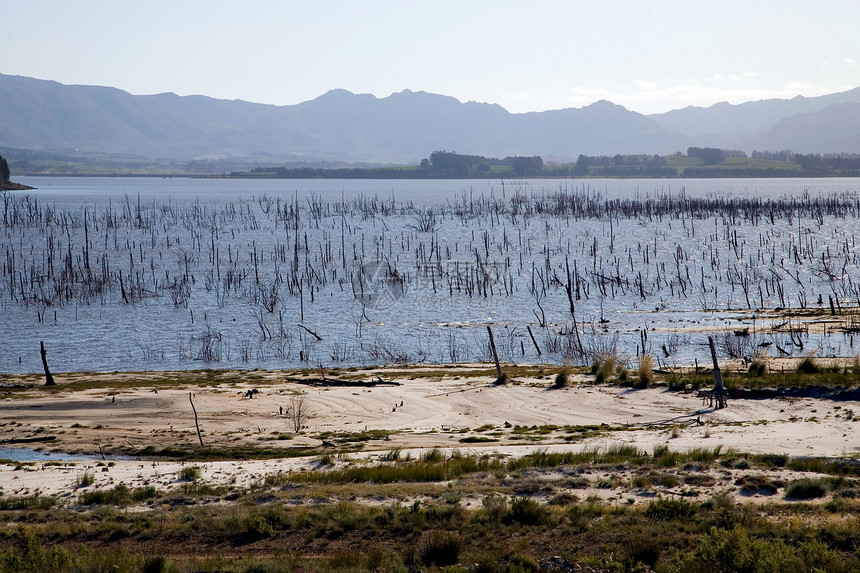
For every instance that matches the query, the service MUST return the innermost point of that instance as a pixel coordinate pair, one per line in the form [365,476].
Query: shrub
[258,527]
[523,564]
[806,488]
[440,548]
[604,367]
[645,370]
[759,365]
[670,509]
[191,473]
[778,460]
[116,496]
[527,511]
[434,456]
[562,379]
[87,479]
[392,455]
[808,365]
[664,457]
[156,564]
[496,506]
[704,455]
[477,439]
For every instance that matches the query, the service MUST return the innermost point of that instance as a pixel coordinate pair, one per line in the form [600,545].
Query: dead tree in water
[196,423]
[49,380]
[501,378]
[716,397]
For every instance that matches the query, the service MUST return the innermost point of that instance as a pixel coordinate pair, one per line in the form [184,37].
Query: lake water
[154,274]
[30,455]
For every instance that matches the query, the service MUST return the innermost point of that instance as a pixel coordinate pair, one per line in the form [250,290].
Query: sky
[649,56]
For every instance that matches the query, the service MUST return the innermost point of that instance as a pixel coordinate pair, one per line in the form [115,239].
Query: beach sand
[118,413]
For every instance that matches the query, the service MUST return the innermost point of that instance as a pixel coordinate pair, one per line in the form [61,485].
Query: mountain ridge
[402,127]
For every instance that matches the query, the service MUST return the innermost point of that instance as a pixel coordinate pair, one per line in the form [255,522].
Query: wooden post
[196,424]
[49,380]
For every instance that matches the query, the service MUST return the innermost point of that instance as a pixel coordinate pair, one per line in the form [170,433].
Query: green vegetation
[562,379]
[190,473]
[522,521]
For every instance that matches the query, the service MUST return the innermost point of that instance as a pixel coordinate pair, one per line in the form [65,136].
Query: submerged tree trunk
[49,380]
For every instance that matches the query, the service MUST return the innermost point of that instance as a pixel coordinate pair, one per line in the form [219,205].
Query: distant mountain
[724,120]
[340,126]
[834,129]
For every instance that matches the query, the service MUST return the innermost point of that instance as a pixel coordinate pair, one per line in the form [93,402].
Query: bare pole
[196,423]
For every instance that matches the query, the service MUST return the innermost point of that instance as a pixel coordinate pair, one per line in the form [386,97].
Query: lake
[136,274]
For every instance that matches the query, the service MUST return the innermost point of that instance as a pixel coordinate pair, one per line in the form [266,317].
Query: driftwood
[33,440]
[347,383]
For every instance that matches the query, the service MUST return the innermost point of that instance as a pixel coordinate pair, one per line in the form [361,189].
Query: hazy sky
[647,55]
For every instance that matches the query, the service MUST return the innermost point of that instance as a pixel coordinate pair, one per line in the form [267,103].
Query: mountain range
[340,126]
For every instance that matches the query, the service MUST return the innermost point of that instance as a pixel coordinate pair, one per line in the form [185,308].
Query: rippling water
[155,274]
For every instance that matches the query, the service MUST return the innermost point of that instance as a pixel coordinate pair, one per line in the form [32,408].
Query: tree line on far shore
[698,162]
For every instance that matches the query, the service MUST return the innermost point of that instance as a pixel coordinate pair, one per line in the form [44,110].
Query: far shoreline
[12,186]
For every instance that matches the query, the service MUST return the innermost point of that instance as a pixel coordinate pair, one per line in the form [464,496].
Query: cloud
[517,97]
[848,62]
[799,86]
[587,92]
[730,77]
[643,85]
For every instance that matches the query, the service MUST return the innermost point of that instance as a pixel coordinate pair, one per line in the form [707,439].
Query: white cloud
[848,62]
[517,96]
[643,85]
[587,92]
[799,86]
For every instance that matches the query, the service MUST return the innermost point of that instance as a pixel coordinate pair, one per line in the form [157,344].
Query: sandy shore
[121,412]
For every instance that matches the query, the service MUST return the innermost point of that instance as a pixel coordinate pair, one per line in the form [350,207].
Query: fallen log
[345,383]
[33,440]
